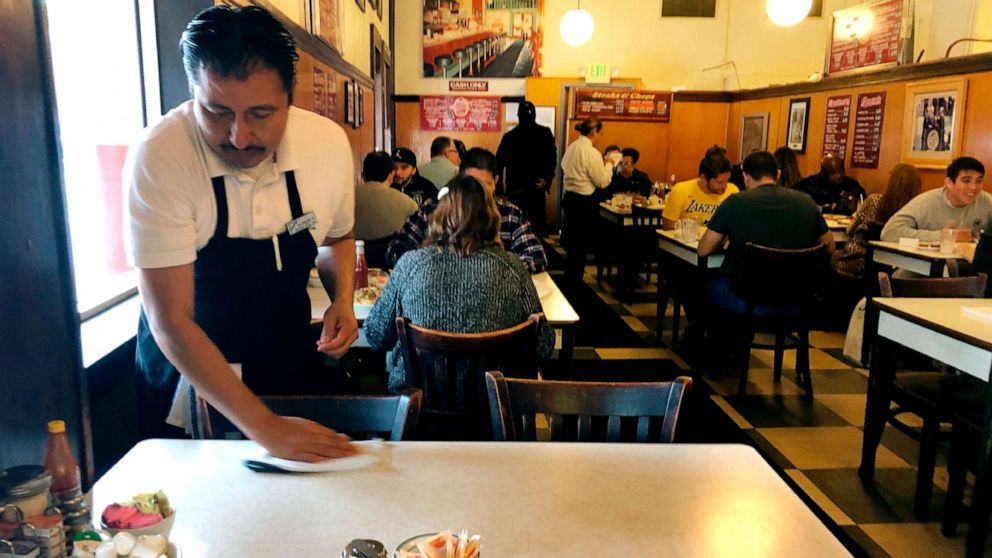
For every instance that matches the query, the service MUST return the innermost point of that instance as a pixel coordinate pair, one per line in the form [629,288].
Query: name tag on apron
[301,223]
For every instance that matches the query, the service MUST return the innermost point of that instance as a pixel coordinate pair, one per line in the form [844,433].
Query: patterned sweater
[487,291]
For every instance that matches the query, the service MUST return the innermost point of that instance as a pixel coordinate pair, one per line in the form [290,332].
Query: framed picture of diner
[933,121]
[795,137]
[754,133]
[491,39]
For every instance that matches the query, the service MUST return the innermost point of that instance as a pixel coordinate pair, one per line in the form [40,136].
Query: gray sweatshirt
[926,214]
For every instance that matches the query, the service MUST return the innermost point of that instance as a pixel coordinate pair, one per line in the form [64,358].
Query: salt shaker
[364,548]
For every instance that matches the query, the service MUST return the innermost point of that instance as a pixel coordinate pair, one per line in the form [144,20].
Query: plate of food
[366,296]
[378,278]
[440,545]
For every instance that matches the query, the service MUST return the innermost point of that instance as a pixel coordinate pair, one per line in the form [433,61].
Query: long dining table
[557,310]
[955,331]
[530,499]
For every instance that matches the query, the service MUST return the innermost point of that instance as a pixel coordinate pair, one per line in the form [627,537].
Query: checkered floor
[817,446]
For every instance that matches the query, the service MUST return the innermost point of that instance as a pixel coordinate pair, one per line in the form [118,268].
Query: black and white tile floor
[817,446]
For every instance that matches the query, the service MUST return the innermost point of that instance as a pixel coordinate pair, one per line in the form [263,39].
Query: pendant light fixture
[576,26]
[787,13]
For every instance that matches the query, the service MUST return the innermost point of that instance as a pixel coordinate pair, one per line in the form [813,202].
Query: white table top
[945,315]
[556,308]
[929,255]
[672,243]
[524,499]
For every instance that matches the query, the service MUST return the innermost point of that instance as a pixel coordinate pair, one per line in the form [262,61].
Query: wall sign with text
[868,130]
[865,36]
[460,113]
[837,123]
[624,104]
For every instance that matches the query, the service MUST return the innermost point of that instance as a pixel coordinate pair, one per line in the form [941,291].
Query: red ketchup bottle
[361,268]
[61,464]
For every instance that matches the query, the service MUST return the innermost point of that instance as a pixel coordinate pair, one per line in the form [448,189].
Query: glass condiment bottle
[361,267]
[61,464]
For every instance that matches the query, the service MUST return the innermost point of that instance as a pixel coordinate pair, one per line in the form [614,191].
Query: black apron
[256,314]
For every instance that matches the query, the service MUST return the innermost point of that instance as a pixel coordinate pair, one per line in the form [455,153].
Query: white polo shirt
[583,169]
[172,212]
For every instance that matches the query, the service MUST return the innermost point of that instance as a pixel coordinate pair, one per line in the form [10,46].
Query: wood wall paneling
[409,134]
[694,128]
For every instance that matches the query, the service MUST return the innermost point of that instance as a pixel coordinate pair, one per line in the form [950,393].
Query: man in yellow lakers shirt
[699,197]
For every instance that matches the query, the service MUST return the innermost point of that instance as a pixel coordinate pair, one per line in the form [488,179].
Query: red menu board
[623,104]
[835,129]
[866,35]
[456,114]
[868,130]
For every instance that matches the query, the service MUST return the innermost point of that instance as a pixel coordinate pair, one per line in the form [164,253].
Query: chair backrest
[585,411]
[646,218]
[779,277]
[450,367]
[393,417]
[933,287]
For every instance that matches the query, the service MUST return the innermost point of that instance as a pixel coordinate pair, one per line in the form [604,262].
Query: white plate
[367,455]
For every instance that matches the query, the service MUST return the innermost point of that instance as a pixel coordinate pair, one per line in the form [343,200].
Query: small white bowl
[163,527]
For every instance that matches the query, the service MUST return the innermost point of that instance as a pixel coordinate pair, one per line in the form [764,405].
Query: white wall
[632,36]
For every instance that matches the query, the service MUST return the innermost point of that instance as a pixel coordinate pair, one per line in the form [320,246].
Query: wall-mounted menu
[868,130]
[623,104]
[835,129]
[866,35]
[460,113]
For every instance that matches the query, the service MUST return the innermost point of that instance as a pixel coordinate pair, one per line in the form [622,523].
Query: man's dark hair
[376,166]
[714,162]
[479,158]
[634,154]
[439,145]
[760,164]
[963,164]
[236,42]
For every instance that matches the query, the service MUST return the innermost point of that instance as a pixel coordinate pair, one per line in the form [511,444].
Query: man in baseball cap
[407,180]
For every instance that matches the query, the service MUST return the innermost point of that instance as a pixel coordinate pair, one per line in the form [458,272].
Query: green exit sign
[597,73]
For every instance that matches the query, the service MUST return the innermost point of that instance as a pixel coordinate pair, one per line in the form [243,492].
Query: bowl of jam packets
[440,545]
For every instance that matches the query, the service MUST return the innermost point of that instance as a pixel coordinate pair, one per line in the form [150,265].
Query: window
[98,92]
[688,8]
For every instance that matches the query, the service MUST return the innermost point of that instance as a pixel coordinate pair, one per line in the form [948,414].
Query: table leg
[662,302]
[978,524]
[567,350]
[880,374]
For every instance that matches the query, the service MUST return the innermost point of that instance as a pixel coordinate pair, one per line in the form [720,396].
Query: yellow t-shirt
[687,199]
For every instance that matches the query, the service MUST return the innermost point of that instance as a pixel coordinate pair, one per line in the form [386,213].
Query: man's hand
[340,330]
[300,439]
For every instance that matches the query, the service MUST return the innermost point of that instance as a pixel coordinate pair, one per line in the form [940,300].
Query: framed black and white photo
[359,105]
[795,137]
[349,102]
[754,133]
[361,4]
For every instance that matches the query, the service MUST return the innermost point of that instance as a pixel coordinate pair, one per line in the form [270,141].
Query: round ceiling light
[576,27]
[787,12]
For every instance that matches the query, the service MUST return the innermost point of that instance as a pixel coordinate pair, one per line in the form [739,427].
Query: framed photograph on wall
[324,21]
[933,122]
[359,105]
[349,102]
[361,4]
[754,133]
[795,137]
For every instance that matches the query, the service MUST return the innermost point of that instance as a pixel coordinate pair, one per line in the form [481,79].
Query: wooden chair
[392,417]
[778,288]
[645,221]
[936,397]
[450,368]
[651,410]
